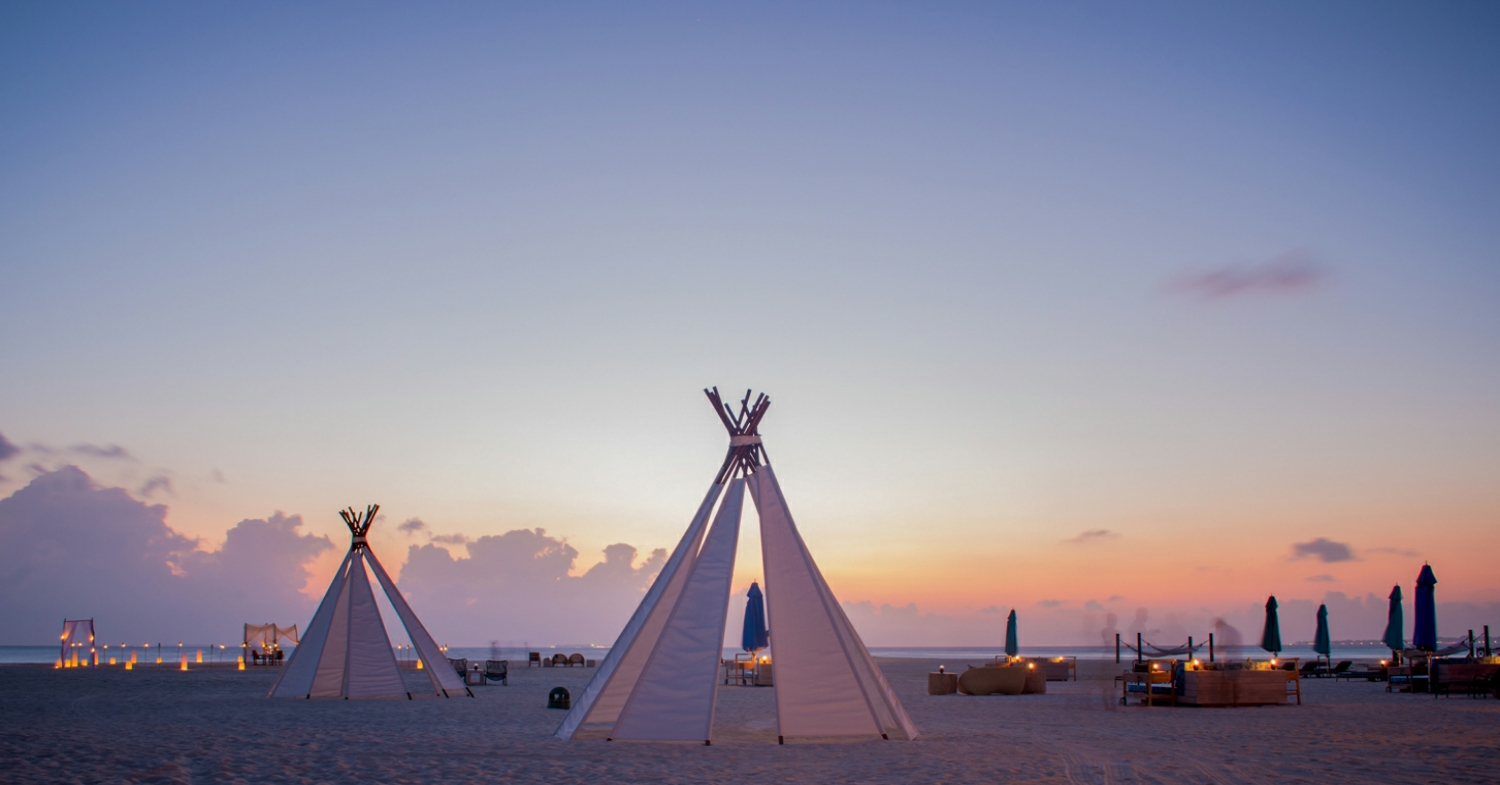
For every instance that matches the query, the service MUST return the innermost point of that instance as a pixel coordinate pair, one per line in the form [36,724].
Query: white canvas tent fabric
[659,681]
[674,697]
[606,693]
[826,682]
[346,652]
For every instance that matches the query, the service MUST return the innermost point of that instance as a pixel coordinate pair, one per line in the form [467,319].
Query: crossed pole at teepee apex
[746,453]
[359,523]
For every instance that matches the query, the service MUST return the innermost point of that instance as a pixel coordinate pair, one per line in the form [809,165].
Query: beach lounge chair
[1486,685]
[1366,672]
[1310,669]
[576,659]
[1341,668]
[559,660]
[534,658]
[497,670]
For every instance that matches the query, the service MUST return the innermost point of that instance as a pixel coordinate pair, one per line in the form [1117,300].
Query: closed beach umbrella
[1270,639]
[1394,622]
[755,637]
[1011,649]
[1322,643]
[1424,631]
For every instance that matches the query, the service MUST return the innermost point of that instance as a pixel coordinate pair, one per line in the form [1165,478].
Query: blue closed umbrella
[1322,641]
[1394,622]
[1424,631]
[1270,638]
[1011,649]
[755,637]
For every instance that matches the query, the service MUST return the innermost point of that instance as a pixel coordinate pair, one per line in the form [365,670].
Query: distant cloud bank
[71,548]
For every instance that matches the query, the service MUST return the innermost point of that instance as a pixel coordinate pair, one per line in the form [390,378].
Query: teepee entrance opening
[345,652]
[659,681]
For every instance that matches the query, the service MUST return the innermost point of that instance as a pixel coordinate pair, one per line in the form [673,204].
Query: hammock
[1158,652]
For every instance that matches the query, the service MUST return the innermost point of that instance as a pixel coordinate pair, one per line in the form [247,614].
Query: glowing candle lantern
[419,665]
[130,665]
[200,656]
[111,660]
[59,663]
[184,662]
[242,662]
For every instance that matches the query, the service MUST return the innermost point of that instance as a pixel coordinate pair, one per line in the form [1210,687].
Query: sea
[971,655]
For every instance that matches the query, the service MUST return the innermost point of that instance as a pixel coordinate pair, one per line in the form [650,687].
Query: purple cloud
[157,482]
[1323,549]
[7,450]
[412,526]
[1325,578]
[123,563]
[112,451]
[1285,274]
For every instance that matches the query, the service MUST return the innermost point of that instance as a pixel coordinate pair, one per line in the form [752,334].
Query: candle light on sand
[242,662]
[184,662]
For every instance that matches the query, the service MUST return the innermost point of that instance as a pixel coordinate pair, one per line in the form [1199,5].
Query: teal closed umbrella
[1011,649]
[1270,638]
[1322,643]
[1394,622]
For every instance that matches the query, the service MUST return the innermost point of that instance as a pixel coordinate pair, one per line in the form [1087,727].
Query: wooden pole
[1117,648]
[1210,647]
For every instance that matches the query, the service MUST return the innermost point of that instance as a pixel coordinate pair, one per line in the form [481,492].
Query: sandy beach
[214,725]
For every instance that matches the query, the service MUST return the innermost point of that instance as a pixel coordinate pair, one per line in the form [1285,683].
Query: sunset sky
[1076,310]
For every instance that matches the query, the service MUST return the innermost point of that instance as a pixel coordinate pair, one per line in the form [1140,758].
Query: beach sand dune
[215,726]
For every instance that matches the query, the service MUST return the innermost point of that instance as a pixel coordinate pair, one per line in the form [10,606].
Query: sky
[1149,310]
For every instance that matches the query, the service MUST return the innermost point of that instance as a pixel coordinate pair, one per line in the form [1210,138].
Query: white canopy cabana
[659,680]
[269,636]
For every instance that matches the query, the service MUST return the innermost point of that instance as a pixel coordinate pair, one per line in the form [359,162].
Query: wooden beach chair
[497,670]
[559,660]
[533,658]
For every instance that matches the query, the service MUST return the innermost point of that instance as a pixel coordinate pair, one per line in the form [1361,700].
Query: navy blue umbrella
[1011,649]
[1424,631]
[1322,641]
[1270,638]
[755,637]
[1394,623]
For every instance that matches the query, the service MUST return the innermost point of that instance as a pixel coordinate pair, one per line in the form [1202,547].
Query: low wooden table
[1238,688]
[942,683]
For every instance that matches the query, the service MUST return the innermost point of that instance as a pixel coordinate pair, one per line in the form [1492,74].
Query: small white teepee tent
[660,679]
[345,652]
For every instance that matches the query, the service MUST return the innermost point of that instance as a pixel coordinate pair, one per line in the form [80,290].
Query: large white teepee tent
[345,652]
[660,679]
